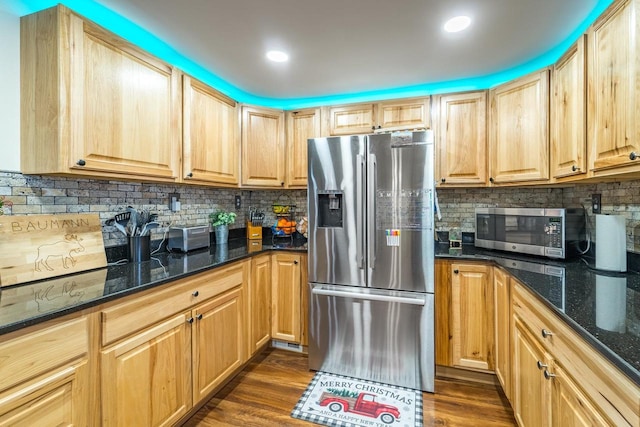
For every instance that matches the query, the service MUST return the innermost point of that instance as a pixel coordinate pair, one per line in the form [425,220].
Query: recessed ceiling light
[456,24]
[277,56]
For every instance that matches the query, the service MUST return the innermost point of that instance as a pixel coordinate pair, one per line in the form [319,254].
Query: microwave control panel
[553,229]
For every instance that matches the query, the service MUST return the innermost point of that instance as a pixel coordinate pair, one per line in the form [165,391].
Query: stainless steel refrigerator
[371,249]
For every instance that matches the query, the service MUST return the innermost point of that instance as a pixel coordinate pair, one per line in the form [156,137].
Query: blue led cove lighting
[147,41]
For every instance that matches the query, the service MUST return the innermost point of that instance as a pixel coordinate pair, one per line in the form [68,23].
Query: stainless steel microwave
[554,233]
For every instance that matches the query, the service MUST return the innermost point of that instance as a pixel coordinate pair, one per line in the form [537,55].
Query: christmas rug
[335,400]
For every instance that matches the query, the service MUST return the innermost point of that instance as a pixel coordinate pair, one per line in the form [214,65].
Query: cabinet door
[55,399]
[530,400]
[44,379]
[260,302]
[568,113]
[403,114]
[502,309]
[519,131]
[210,135]
[304,300]
[301,126]
[462,139]
[146,378]
[614,71]
[443,310]
[262,147]
[472,316]
[218,341]
[351,119]
[124,107]
[570,406]
[285,308]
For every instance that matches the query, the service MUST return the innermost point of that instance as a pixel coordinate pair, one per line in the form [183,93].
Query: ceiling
[345,50]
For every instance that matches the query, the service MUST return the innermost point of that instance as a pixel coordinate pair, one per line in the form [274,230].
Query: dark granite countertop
[32,303]
[603,308]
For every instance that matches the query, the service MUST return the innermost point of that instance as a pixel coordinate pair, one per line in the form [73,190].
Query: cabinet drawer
[138,313]
[41,351]
[612,392]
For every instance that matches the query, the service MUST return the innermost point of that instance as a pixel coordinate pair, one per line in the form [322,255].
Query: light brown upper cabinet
[403,114]
[350,119]
[210,140]
[301,125]
[519,130]
[93,104]
[263,147]
[392,115]
[461,132]
[568,113]
[613,133]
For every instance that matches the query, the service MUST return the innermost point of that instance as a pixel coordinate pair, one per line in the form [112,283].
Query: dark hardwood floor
[266,391]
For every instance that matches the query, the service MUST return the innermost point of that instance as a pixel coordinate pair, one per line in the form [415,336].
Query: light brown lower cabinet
[543,392]
[558,379]
[304,300]
[502,312]
[530,399]
[218,345]
[155,375]
[44,376]
[153,356]
[259,303]
[146,378]
[286,288]
[472,332]
[569,405]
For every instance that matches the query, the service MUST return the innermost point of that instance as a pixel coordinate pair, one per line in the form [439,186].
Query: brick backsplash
[620,198]
[458,205]
[35,194]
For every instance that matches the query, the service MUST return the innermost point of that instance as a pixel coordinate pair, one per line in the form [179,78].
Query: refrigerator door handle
[371,209]
[368,297]
[360,194]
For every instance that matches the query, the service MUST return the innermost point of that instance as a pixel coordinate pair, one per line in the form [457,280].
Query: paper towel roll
[611,243]
[611,303]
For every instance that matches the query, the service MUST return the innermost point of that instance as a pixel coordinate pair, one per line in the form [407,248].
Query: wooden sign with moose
[35,247]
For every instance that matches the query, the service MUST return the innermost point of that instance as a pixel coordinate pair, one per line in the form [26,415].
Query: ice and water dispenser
[330,206]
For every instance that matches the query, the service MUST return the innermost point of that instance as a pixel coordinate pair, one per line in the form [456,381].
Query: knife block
[254,232]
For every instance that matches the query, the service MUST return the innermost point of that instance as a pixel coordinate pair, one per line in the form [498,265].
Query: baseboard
[466,375]
[283,345]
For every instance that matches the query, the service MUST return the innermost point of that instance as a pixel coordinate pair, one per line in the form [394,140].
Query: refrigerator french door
[371,257]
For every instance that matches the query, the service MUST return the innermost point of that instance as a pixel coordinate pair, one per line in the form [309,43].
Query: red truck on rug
[359,403]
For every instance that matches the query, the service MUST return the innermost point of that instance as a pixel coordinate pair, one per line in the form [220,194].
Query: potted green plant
[3,203]
[220,222]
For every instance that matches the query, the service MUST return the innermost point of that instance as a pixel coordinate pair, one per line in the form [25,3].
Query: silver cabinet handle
[541,365]
[369,297]
[548,375]
[195,293]
[546,333]
[190,320]
[199,316]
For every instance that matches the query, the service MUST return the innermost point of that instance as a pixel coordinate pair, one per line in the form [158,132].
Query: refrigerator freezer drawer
[377,335]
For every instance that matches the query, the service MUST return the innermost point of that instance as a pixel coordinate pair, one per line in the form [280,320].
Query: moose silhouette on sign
[62,248]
